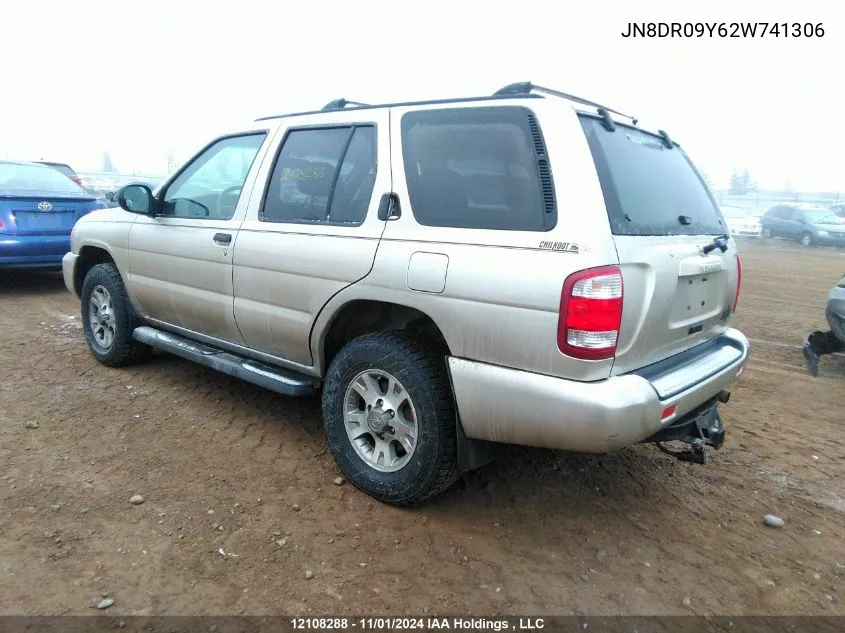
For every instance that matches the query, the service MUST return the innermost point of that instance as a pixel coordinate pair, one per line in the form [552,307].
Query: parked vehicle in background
[740,221]
[110,197]
[806,224]
[428,283]
[838,209]
[62,168]
[820,343]
[38,208]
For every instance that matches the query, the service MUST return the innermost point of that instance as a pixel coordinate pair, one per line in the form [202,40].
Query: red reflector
[668,412]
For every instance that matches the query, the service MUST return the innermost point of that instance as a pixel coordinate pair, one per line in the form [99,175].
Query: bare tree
[171,161]
[108,165]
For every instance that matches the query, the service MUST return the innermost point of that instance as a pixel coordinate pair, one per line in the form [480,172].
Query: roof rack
[340,104]
[526,88]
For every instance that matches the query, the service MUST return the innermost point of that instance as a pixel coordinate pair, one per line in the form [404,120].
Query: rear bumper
[835,312]
[33,251]
[516,407]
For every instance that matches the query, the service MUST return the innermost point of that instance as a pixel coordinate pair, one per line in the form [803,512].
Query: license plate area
[43,221]
[698,298]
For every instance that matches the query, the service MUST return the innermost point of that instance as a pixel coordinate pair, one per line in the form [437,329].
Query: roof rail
[340,104]
[526,88]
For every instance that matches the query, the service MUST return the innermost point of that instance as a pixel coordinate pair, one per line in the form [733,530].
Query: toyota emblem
[44,206]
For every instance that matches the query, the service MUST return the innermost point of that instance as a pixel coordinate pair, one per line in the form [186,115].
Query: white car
[741,222]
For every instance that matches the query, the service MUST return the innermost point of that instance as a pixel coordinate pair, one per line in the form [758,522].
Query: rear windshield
[63,169]
[648,188]
[35,178]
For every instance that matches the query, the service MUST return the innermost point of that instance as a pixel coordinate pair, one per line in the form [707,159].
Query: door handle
[388,208]
[222,238]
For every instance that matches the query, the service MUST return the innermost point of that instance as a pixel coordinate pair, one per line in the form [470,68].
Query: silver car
[526,268]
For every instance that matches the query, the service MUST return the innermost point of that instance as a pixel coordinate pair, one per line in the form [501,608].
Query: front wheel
[389,418]
[807,239]
[107,319]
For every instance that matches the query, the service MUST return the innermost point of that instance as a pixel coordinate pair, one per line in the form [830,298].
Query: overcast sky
[141,78]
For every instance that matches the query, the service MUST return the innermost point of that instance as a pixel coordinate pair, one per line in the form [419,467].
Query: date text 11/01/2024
[724,29]
[419,624]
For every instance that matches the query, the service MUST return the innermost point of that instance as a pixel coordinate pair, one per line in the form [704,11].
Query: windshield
[649,189]
[16,177]
[822,217]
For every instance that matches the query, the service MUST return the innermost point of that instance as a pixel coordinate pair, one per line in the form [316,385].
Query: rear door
[313,227]
[795,223]
[774,220]
[662,216]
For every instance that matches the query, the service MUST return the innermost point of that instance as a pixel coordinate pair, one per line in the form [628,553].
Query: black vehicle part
[699,429]
[818,344]
[276,379]
[123,350]
[433,464]
[526,88]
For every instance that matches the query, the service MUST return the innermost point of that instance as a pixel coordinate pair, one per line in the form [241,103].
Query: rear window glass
[323,175]
[62,169]
[480,168]
[35,178]
[648,188]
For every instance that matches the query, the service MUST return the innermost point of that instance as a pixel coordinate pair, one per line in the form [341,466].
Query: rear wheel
[107,319]
[807,239]
[389,418]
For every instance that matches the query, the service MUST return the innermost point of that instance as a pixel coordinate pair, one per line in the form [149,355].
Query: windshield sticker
[567,247]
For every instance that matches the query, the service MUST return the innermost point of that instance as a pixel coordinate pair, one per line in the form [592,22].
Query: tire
[766,233]
[372,462]
[807,239]
[103,287]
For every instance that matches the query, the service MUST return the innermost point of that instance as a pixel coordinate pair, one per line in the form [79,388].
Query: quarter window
[481,168]
[323,176]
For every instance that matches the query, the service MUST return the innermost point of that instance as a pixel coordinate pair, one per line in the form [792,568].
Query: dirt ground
[240,501]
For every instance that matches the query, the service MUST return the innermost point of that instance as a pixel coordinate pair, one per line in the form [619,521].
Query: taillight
[738,280]
[590,313]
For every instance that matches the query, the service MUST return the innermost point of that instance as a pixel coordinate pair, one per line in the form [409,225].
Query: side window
[481,168]
[323,175]
[796,214]
[211,185]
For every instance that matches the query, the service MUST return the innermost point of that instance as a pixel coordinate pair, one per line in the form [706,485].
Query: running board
[281,381]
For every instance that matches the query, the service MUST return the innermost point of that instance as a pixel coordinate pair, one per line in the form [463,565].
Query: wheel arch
[89,256]
[365,316]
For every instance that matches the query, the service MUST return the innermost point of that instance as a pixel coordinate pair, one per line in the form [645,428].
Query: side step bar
[281,381]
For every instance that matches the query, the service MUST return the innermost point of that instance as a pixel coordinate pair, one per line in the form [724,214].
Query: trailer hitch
[699,429]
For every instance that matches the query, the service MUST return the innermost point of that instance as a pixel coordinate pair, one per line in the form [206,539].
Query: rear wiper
[720,242]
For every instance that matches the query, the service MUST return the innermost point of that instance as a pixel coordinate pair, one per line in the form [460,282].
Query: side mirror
[136,199]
